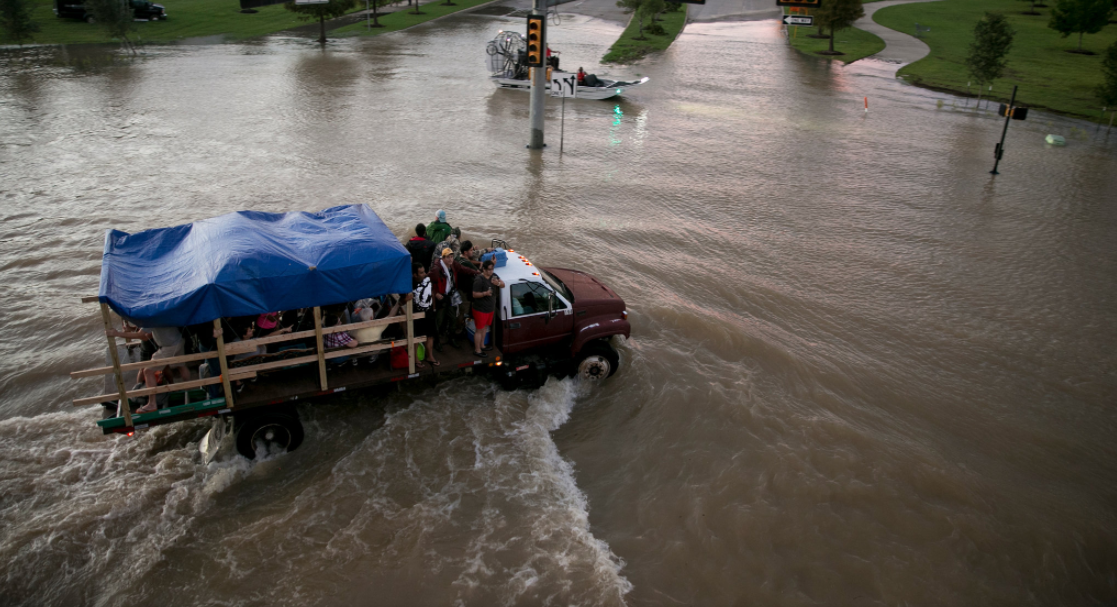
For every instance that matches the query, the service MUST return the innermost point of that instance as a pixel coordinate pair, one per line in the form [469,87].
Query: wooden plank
[90,299]
[242,347]
[410,338]
[321,349]
[142,365]
[121,392]
[179,387]
[222,357]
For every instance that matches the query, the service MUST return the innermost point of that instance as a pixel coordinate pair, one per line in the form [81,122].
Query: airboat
[507,57]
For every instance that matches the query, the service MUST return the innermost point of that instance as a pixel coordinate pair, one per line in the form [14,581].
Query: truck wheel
[270,432]
[597,361]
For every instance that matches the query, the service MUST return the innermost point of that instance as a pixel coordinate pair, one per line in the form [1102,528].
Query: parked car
[142,10]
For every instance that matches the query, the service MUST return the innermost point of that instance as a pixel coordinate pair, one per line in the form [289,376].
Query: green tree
[309,12]
[15,19]
[1107,90]
[992,39]
[644,9]
[838,15]
[115,17]
[375,6]
[1080,17]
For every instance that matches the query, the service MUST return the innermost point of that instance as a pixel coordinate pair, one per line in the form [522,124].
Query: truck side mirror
[550,307]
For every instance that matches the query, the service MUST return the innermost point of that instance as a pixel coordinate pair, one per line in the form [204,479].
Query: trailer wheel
[270,432]
[597,361]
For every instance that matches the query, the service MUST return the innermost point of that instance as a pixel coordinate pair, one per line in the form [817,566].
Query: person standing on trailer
[484,305]
[438,229]
[171,344]
[420,247]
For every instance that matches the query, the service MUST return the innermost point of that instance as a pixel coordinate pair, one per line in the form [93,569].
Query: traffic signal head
[535,42]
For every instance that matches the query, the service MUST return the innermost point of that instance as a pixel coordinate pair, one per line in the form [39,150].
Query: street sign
[800,3]
[798,20]
[564,84]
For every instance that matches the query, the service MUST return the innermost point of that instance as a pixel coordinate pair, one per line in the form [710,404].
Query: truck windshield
[557,285]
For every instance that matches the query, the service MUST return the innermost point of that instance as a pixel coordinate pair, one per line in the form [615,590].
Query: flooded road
[863,371]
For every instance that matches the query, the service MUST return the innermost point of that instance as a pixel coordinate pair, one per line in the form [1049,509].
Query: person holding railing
[171,344]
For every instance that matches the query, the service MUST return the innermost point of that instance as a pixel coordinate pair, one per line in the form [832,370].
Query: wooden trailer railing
[224,351]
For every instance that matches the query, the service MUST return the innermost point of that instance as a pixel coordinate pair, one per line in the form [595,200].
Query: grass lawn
[404,18]
[628,49]
[199,18]
[855,43]
[1048,76]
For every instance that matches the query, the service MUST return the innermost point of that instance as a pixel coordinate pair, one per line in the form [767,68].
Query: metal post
[1000,149]
[124,408]
[562,129]
[538,86]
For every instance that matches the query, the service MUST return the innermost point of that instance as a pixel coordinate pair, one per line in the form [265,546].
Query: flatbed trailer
[299,384]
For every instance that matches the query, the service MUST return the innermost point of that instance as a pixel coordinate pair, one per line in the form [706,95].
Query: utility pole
[1000,149]
[538,74]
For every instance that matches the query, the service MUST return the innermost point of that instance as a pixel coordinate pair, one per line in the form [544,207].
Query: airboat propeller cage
[248,263]
[536,40]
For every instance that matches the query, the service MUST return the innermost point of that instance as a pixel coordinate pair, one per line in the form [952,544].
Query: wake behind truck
[549,321]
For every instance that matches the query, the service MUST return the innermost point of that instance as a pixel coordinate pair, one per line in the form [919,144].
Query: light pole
[538,78]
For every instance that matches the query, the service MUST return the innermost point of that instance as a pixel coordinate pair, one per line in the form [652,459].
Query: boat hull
[613,88]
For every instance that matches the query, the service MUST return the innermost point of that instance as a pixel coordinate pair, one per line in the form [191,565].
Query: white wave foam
[87,515]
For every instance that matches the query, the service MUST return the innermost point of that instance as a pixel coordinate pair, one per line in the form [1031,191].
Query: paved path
[899,48]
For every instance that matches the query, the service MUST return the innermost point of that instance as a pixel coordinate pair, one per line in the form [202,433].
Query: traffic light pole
[538,85]
[1000,149]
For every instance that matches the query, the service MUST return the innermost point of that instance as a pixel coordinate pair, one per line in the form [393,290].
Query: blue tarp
[248,263]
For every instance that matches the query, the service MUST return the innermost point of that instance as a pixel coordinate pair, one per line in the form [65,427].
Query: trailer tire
[276,431]
[596,362]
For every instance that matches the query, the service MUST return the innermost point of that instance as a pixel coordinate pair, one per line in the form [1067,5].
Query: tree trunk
[832,32]
[375,16]
[1079,40]
[322,29]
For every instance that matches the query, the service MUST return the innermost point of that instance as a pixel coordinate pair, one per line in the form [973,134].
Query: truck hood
[587,289]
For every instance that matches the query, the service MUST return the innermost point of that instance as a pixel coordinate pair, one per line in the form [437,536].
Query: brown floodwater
[863,371]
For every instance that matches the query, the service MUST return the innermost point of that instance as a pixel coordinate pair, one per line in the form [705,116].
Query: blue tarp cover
[248,263]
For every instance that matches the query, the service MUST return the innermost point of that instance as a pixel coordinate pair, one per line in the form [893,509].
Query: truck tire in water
[597,361]
[272,432]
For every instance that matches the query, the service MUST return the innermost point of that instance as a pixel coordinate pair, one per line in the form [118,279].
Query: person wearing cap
[445,275]
[438,230]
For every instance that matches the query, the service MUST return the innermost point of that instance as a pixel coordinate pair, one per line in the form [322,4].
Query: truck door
[529,325]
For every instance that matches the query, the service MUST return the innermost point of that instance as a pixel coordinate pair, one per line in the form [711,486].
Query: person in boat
[484,305]
[438,230]
[420,247]
[590,80]
[422,295]
[171,344]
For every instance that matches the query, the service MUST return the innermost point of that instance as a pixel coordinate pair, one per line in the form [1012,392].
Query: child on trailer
[422,296]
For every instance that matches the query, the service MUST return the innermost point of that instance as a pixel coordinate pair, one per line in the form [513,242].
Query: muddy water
[863,371]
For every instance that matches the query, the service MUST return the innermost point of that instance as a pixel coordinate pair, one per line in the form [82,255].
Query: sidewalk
[899,48]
